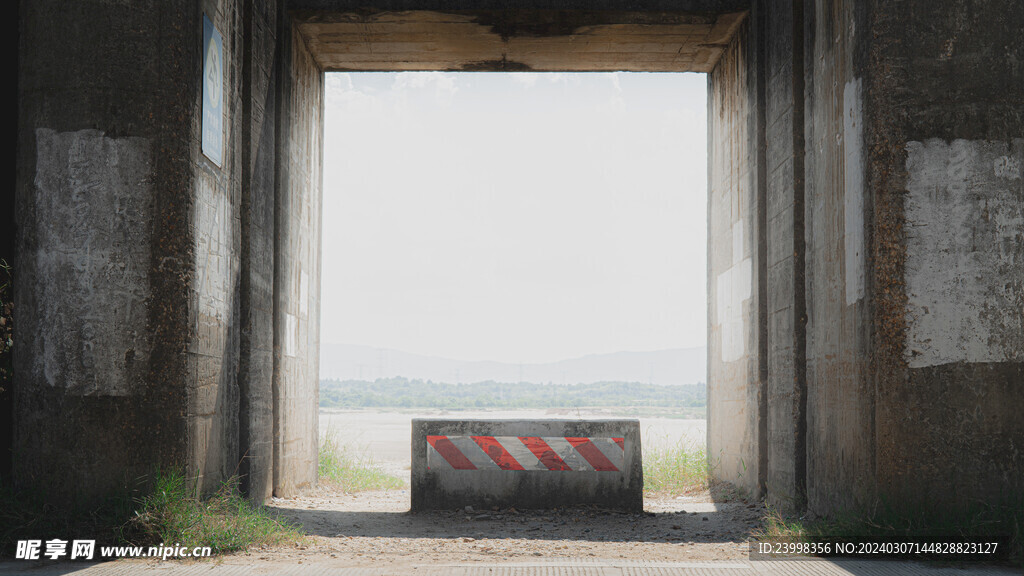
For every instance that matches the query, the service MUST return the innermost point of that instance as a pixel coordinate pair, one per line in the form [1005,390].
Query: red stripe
[449,452]
[497,452]
[620,442]
[544,453]
[593,454]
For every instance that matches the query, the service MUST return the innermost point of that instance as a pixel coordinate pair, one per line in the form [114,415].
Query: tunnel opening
[540,254]
[482,41]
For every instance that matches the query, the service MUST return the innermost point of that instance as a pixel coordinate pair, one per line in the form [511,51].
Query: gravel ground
[376,528]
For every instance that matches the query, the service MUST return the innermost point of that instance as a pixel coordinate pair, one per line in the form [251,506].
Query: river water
[383,437]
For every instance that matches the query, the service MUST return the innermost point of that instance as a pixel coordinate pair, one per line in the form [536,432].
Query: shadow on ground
[730,522]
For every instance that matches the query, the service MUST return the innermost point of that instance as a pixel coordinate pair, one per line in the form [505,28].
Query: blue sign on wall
[213,93]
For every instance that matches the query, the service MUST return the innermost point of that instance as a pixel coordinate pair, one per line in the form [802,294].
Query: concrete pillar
[735,251]
[260,74]
[147,270]
[105,185]
[840,398]
[297,266]
[787,382]
[944,150]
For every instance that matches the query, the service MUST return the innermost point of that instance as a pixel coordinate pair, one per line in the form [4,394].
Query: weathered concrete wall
[297,270]
[104,185]
[256,287]
[8,241]
[146,271]
[943,97]
[214,310]
[734,338]
[893,228]
[526,464]
[786,385]
[840,394]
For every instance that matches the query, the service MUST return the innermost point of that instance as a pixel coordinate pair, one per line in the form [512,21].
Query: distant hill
[661,367]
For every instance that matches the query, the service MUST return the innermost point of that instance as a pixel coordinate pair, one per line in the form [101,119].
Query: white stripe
[435,461]
[474,452]
[568,454]
[611,450]
[520,452]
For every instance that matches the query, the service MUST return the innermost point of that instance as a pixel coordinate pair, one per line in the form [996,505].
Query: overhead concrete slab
[537,40]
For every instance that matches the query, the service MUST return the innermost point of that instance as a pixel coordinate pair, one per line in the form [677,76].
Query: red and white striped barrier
[527,464]
[552,453]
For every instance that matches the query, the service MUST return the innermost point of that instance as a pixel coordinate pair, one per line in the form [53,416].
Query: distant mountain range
[661,367]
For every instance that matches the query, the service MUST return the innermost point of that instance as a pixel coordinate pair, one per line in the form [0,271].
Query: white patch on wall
[853,197]
[92,248]
[291,335]
[732,288]
[1007,167]
[965,252]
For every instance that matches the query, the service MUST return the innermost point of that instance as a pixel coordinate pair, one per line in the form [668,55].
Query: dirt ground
[376,528]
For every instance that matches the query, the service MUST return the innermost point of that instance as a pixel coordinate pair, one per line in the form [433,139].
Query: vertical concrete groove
[172,260]
[864,13]
[799,262]
[245,280]
[8,242]
[282,101]
[710,264]
[760,46]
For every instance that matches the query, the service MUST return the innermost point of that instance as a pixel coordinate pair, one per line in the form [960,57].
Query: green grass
[903,522]
[225,521]
[170,514]
[340,468]
[680,469]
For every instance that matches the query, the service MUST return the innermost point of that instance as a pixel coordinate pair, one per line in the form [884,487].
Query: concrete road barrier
[527,464]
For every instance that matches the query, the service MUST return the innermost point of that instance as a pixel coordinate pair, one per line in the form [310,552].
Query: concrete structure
[856,350]
[526,464]
[866,230]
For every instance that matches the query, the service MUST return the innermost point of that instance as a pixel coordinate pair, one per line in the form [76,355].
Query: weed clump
[340,468]
[225,521]
[679,469]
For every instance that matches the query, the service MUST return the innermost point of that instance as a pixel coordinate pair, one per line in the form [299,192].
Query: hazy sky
[515,217]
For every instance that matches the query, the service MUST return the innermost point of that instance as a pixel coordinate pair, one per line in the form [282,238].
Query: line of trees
[406,393]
